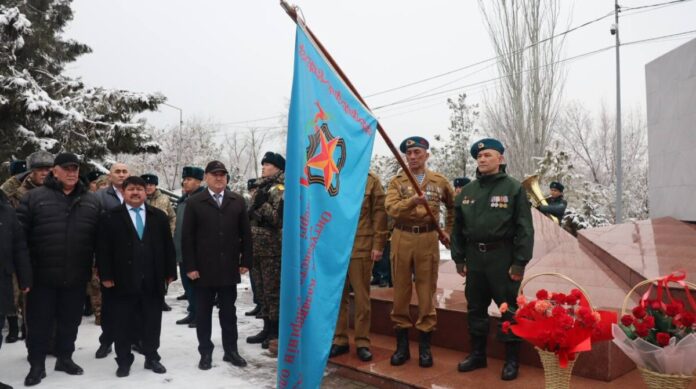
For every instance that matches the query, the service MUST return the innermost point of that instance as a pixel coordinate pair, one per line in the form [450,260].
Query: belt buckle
[415,230]
[482,247]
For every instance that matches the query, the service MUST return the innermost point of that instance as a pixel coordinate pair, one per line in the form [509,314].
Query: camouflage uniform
[162,202]
[266,216]
[10,186]
[16,192]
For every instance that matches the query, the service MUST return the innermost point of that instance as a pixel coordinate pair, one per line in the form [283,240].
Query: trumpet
[536,197]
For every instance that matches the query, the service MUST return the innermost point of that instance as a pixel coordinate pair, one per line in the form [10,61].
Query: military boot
[425,357]
[261,336]
[37,372]
[402,353]
[272,334]
[13,333]
[512,361]
[477,358]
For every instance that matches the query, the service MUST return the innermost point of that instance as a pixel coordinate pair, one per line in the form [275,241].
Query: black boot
[477,358]
[190,318]
[425,357]
[272,334]
[512,361]
[23,331]
[13,334]
[402,353]
[261,336]
[166,307]
[66,364]
[5,386]
[254,311]
[37,372]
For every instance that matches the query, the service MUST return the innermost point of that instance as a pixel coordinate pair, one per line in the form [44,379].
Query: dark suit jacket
[216,241]
[117,238]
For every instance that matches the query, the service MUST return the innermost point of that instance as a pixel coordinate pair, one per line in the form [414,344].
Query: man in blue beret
[191,179]
[17,166]
[459,184]
[556,203]
[492,242]
[415,251]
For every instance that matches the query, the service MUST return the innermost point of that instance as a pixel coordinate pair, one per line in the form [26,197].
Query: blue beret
[274,159]
[150,178]
[193,172]
[487,143]
[414,141]
[17,166]
[461,181]
[556,185]
[94,175]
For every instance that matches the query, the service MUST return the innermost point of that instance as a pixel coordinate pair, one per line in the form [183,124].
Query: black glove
[260,197]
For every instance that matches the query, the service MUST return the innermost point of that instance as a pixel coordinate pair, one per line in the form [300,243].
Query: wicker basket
[555,376]
[653,379]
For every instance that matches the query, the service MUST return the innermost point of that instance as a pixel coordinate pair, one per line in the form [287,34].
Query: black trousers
[107,317]
[137,316]
[46,305]
[227,296]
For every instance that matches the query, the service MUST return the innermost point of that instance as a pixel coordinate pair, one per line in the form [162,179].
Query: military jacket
[493,209]
[10,186]
[266,215]
[162,202]
[17,191]
[372,226]
[556,207]
[438,192]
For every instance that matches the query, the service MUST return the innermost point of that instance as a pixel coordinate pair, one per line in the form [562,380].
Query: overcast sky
[231,61]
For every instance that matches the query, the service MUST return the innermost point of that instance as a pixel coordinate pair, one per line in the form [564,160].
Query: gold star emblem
[410,142]
[481,145]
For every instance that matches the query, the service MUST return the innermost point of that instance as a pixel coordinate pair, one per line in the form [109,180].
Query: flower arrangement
[657,323]
[563,324]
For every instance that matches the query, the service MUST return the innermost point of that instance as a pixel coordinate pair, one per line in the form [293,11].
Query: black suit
[139,269]
[216,242]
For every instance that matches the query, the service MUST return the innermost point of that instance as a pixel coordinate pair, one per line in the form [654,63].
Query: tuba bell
[535,195]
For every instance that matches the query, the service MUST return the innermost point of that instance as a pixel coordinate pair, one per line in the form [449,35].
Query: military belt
[416,229]
[490,246]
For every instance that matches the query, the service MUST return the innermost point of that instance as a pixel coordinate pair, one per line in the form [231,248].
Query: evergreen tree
[452,158]
[41,108]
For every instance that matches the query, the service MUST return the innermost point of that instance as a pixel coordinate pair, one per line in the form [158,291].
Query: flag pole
[292,12]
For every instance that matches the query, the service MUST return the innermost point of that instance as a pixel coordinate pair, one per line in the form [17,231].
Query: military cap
[461,181]
[150,178]
[251,184]
[39,159]
[66,159]
[94,175]
[216,166]
[487,143]
[274,159]
[556,185]
[193,172]
[414,141]
[17,166]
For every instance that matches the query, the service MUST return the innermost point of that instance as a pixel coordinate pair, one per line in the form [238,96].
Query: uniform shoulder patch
[278,186]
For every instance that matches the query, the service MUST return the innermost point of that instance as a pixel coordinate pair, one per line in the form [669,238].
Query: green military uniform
[415,248]
[371,235]
[162,202]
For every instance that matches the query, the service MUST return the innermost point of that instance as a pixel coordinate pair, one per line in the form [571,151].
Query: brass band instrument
[535,195]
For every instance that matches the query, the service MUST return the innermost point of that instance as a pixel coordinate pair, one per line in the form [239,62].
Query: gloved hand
[260,197]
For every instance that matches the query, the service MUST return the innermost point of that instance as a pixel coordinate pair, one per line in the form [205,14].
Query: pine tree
[452,158]
[41,108]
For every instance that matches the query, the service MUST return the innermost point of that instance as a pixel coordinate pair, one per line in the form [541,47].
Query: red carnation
[649,321]
[506,327]
[687,319]
[662,338]
[673,309]
[542,294]
[642,330]
[571,300]
[558,311]
[626,320]
[639,312]
[655,305]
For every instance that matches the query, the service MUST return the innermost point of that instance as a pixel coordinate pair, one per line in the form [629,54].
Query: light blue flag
[330,139]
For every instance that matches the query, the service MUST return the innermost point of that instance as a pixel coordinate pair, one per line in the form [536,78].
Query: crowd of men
[120,236]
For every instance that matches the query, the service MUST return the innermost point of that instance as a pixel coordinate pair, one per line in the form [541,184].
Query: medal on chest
[499,201]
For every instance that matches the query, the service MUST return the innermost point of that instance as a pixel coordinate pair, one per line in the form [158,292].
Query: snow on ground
[178,348]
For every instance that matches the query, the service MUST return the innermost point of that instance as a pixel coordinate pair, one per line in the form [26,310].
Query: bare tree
[452,158]
[525,106]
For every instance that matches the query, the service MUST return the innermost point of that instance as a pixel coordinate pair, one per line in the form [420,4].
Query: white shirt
[131,213]
[118,194]
[212,194]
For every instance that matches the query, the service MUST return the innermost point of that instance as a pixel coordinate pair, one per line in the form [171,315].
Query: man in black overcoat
[136,261]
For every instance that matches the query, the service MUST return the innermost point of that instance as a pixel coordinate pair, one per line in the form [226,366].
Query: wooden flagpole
[292,12]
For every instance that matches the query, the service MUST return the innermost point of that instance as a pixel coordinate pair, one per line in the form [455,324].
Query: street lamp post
[179,143]
[619,171]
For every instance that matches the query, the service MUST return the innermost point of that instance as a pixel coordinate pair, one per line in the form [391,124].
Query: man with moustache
[492,242]
[415,249]
[110,198]
[136,260]
[216,246]
[60,223]
[191,177]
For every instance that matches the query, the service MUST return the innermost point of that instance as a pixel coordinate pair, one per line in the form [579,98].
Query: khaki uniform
[10,186]
[415,250]
[371,235]
[161,202]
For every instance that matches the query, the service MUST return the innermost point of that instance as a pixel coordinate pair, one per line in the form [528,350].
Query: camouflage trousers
[266,278]
[95,297]
[18,296]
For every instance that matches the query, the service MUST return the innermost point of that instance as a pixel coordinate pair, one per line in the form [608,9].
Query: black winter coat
[116,249]
[216,241]
[61,232]
[14,256]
